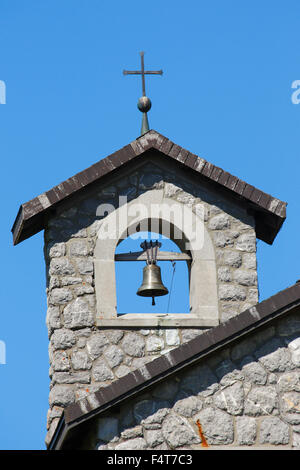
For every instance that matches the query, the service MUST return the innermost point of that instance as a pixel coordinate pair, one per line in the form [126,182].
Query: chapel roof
[269,212]
[283,303]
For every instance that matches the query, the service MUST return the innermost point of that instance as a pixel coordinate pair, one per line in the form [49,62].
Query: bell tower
[212,216]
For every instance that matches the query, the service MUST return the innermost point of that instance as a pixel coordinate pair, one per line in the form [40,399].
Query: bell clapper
[153,300]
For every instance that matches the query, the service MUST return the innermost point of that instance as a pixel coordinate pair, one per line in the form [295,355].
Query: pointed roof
[165,366]
[269,212]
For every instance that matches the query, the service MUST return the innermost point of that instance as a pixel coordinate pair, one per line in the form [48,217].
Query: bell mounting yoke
[151,249]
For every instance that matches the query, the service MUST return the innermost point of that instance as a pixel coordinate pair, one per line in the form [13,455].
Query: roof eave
[35,212]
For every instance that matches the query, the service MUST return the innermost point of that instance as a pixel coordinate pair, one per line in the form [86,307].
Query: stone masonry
[84,358]
[246,396]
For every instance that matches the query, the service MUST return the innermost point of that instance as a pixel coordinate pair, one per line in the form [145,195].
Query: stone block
[114,336]
[231,258]
[217,426]
[294,348]
[273,431]
[219,222]
[172,337]
[101,372]
[53,318]
[231,293]
[80,377]
[85,265]
[61,395]
[188,406]
[245,430]
[231,399]
[61,362]
[177,431]
[54,282]
[81,337]
[70,281]
[224,238]
[296,440]
[113,355]
[245,278]
[55,250]
[60,296]
[249,261]
[61,267]
[154,437]
[252,296]
[63,339]
[78,248]
[290,406]
[153,344]
[246,242]
[289,381]
[122,370]
[224,274]
[274,357]
[131,433]
[96,344]
[254,372]
[170,190]
[83,289]
[78,314]
[133,345]
[80,360]
[229,310]
[261,401]
[188,334]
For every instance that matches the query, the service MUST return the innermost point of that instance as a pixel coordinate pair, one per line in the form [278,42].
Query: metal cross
[142,72]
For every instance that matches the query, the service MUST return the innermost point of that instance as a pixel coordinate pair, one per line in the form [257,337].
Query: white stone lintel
[177,320]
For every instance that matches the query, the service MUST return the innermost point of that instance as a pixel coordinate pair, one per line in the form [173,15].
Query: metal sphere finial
[144,104]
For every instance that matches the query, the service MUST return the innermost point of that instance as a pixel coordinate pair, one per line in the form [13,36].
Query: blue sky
[225,95]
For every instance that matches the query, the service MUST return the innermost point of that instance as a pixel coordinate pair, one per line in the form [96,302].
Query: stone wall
[247,395]
[84,358]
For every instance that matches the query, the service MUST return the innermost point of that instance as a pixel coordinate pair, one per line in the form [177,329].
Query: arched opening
[129,276]
[191,238]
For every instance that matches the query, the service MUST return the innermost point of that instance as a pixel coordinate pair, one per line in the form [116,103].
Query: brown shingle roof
[269,212]
[165,366]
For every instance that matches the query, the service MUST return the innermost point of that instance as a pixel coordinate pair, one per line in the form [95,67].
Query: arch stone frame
[190,235]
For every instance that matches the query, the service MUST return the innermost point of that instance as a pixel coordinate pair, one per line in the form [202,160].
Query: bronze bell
[152,285]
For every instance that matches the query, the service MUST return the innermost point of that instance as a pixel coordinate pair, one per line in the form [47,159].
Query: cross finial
[144,103]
